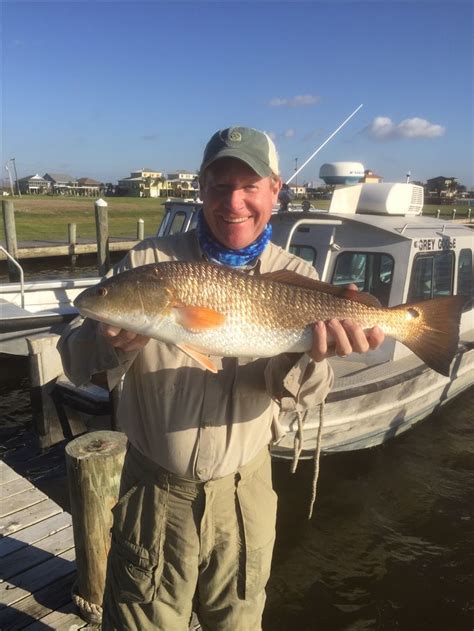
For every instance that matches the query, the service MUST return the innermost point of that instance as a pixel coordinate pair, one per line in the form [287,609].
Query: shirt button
[202,473]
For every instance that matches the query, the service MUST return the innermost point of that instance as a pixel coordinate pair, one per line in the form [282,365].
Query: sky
[100,89]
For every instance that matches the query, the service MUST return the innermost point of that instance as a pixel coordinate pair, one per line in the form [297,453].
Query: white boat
[374,236]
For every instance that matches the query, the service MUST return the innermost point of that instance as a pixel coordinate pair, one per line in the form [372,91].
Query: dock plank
[28,516]
[14,487]
[65,618]
[10,505]
[26,583]
[36,606]
[32,534]
[30,556]
[7,474]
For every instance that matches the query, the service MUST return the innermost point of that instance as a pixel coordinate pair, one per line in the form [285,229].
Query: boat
[373,235]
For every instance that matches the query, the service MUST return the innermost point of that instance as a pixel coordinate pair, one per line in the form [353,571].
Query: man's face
[237,202]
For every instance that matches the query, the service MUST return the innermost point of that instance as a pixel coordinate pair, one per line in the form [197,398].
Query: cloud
[301,100]
[383,128]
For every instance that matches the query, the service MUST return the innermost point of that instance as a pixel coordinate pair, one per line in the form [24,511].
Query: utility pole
[296,173]
[10,178]
[16,177]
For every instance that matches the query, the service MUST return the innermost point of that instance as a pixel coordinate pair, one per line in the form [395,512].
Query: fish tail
[431,330]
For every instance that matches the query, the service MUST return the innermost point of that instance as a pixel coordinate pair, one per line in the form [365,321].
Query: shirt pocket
[258,503]
[136,557]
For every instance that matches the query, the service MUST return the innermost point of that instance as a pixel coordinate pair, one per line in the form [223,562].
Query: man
[196,515]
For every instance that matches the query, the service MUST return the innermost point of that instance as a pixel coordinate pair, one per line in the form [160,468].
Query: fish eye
[102,291]
[412,313]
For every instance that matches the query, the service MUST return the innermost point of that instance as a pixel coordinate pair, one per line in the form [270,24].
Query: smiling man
[195,522]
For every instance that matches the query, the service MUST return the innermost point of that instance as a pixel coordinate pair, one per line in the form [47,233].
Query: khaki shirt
[190,421]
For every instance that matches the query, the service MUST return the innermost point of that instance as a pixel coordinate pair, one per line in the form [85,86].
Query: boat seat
[88,399]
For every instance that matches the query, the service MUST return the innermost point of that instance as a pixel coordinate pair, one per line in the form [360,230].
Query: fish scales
[225,312]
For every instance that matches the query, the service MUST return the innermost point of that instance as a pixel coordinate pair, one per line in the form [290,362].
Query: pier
[37,559]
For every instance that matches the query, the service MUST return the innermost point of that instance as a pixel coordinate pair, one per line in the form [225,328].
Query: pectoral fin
[199,357]
[198,318]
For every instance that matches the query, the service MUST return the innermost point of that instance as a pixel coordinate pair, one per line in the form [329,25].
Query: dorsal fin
[293,278]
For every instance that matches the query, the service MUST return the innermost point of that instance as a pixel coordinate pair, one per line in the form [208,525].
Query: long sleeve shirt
[192,422]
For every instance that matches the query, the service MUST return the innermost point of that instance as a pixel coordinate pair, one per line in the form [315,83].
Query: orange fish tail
[431,330]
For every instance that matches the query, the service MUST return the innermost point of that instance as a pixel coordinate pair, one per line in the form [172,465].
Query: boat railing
[22,275]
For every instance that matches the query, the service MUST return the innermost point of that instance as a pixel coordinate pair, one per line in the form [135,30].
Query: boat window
[465,276]
[370,271]
[305,252]
[177,223]
[432,276]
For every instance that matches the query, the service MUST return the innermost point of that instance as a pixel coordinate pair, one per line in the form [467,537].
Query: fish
[208,309]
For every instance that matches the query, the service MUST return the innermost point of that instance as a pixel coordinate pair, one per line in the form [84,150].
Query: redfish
[209,309]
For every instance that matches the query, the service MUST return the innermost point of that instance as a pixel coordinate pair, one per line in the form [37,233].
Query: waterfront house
[142,183]
[34,185]
[62,183]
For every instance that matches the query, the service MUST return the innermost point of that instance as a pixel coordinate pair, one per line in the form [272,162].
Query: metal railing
[22,276]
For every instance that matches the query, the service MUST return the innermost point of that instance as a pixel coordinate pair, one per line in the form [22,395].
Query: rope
[298,441]
[317,457]
[89,611]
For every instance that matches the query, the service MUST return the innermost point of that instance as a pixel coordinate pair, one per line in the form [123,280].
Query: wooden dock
[46,249]
[37,559]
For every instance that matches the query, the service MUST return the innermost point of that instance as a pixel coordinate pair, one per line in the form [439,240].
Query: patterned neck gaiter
[218,253]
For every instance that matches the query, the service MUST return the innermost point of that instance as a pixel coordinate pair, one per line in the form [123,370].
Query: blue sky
[99,89]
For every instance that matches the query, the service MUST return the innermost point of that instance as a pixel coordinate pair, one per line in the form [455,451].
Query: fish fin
[293,278]
[198,318]
[432,332]
[203,360]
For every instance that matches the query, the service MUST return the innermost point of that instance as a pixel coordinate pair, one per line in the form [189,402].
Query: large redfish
[205,308]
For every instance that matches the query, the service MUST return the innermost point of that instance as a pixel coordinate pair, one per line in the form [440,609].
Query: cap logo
[235,136]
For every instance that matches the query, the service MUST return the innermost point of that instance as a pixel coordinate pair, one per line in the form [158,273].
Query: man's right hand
[123,339]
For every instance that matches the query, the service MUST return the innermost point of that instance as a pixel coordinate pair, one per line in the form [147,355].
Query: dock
[37,559]
[46,249]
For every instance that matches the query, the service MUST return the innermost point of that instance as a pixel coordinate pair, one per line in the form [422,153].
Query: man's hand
[346,337]
[123,339]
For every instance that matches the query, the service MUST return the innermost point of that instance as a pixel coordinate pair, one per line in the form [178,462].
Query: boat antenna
[324,143]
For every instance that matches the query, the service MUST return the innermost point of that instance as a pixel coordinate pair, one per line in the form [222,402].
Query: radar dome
[342,172]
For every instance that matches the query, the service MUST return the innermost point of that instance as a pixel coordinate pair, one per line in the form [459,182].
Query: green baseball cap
[252,146]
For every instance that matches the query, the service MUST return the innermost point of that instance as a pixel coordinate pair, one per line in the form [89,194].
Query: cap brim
[260,168]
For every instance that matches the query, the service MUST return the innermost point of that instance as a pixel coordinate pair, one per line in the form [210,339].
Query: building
[87,187]
[34,185]
[182,184]
[62,183]
[371,178]
[441,189]
[143,183]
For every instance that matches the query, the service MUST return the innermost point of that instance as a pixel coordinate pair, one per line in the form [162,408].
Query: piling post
[72,240]
[469,215]
[94,464]
[102,230]
[453,215]
[140,229]
[9,226]
[438,212]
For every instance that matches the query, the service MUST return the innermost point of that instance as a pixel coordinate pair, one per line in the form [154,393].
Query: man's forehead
[230,169]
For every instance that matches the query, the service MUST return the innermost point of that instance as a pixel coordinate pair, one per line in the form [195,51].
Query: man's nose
[235,198]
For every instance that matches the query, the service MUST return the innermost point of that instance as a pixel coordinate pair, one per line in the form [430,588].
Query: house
[34,185]
[441,189]
[142,183]
[62,183]
[182,184]
[88,187]
[371,178]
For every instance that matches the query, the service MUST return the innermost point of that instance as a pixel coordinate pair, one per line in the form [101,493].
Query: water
[391,542]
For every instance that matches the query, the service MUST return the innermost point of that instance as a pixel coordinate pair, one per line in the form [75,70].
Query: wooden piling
[140,229]
[72,240]
[102,229]
[8,211]
[94,465]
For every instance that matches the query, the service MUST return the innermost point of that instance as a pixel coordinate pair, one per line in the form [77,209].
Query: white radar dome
[342,172]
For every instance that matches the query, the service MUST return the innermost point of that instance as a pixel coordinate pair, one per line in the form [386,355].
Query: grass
[40,218]
[47,218]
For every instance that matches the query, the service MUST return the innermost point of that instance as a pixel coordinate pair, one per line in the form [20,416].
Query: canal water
[390,545]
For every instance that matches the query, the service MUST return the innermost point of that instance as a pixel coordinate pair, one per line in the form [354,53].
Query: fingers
[342,338]
[123,339]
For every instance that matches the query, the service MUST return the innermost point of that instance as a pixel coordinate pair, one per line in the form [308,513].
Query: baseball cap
[252,146]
